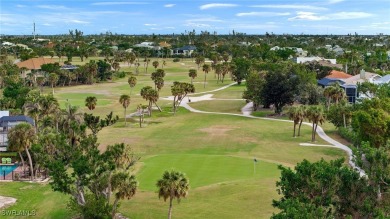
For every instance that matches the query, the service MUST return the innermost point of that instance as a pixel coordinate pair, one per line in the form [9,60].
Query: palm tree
[125,101]
[23,136]
[173,185]
[90,102]
[316,115]
[338,93]
[53,79]
[192,73]
[206,69]
[132,82]
[302,115]
[126,187]
[293,114]
[155,64]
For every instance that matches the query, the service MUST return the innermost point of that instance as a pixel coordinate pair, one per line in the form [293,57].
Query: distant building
[338,75]
[185,50]
[33,65]
[383,80]
[149,45]
[313,58]
[6,123]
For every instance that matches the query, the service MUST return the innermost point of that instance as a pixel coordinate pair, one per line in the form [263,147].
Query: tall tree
[53,79]
[296,115]
[132,82]
[23,136]
[205,69]
[125,101]
[192,73]
[90,102]
[316,115]
[155,64]
[172,185]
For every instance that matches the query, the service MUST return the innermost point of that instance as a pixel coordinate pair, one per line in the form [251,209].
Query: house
[325,82]
[383,80]
[185,50]
[350,92]
[149,45]
[338,75]
[313,58]
[33,65]
[6,123]
[362,77]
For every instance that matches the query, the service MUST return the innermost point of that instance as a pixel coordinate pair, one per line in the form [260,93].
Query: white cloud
[169,5]
[150,24]
[79,21]
[21,6]
[119,3]
[302,15]
[287,6]
[310,16]
[53,7]
[262,14]
[334,1]
[197,25]
[216,5]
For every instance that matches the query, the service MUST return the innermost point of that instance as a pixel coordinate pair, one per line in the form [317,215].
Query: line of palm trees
[315,114]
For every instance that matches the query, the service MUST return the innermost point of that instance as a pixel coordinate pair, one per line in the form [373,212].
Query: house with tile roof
[33,65]
[338,75]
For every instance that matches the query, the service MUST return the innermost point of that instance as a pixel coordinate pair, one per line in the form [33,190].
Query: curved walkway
[246,112]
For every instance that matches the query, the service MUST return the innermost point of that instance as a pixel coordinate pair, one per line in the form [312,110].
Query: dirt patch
[218,130]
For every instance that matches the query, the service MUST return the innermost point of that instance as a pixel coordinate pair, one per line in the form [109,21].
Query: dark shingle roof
[5,119]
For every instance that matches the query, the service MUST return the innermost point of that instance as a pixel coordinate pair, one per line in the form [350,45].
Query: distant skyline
[166,17]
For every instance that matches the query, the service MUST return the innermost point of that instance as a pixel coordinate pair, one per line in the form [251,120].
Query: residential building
[338,75]
[6,123]
[313,58]
[185,50]
[33,65]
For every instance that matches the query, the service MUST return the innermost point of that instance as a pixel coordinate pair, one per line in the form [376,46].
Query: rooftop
[35,63]
[338,75]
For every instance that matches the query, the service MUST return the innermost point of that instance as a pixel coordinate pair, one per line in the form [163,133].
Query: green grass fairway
[38,197]
[215,151]
[223,106]
[204,170]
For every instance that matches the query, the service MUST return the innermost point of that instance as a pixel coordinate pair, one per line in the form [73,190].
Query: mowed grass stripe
[204,170]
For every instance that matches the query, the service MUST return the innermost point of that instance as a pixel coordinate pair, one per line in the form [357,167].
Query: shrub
[348,134]
[176,60]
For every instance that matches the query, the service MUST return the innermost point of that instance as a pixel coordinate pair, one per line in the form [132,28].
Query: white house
[313,58]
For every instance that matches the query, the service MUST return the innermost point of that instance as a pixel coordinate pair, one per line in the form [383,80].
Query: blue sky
[164,16]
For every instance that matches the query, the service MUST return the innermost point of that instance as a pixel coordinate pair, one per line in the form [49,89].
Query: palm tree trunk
[159,109]
[315,131]
[204,84]
[312,133]
[295,125]
[125,117]
[299,128]
[170,208]
[30,162]
[21,159]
